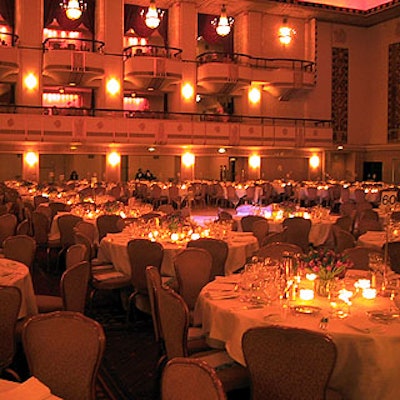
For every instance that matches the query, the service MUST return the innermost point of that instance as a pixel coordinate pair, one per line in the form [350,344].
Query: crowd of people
[145,176]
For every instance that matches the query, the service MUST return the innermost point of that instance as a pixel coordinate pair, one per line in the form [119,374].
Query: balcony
[152,67]
[222,73]
[9,65]
[36,124]
[75,62]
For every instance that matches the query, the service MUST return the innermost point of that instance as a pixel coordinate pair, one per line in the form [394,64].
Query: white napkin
[32,389]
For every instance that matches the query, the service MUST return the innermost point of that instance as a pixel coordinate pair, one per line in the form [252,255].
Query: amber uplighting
[114,158]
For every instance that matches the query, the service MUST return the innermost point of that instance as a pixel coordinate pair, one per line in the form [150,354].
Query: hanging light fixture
[73,8]
[152,17]
[223,23]
[286,33]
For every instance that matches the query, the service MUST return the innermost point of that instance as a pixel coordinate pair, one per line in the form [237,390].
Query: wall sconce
[222,150]
[254,95]
[31,158]
[113,86]
[187,91]
[254,161]
[314,161]
[114,159]
[286,33]
[223,23]
[188,159]
[31,81]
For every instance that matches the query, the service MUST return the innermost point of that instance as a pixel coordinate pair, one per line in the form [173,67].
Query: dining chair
[219,252]
[298,230]
[190,378]
[174,320]
[345,222]
[8,224]
[10,303]
[37,200]
[174,198]
[141,253]
[348,208]
[166,209]
[342,239]
[287,363]
[260,229]
[73,291]
[109,223]
[75,254]
[365,225]
[359,256]
[193,268]
[24,228]
[64,350]
[57,206]
[278,250]
[87,228]
[21,248]
[274,237]
[248,220]
[393,251]
[196,340]
[232,198]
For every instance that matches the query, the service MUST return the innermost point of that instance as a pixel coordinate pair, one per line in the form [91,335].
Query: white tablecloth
[113,248]
[367,363]
[374,239]
[32,389]
[13,273]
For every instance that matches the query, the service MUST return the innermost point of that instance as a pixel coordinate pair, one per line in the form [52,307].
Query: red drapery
[53,10]
[207,30]
[133,19]
[7,8]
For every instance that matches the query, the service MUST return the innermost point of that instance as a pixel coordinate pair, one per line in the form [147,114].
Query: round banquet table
[31,389]
[113,248]
[368,352]
[13,273]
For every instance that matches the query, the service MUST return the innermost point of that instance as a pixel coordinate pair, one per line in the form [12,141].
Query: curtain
[133,19]
[207,30]
[7,8]
[53,10]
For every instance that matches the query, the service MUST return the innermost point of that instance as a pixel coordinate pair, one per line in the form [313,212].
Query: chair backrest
[277,250]
[260,229]
[348,208]
[274,237]
[75,254]
[87,228]
[153,279]
[108,223]
[20,248]
[64,350]
[10,303]
[166,208]
[41,227]
[150,215]
[394,255]
[37,200]
[190,378]
[365,225]
[288,363]
[248,220]
[66,224]
[345,222]
[174,322]
[24,228]
[57,206]
[193,271]
[298,230]
[141,253]
[8,224]
[81,238]
[74,286]
[359,256]
[219,252]
[343,239]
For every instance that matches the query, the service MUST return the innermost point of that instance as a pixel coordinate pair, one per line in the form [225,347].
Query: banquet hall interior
[195,134]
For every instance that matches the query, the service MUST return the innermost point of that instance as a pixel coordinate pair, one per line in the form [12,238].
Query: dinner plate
[383,315]
[306,309]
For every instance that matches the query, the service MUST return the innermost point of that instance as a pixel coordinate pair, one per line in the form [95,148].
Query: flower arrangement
[326,263]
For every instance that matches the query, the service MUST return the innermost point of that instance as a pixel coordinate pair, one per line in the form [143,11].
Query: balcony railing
[152,51]
[8,39]
[255,62]
[76,44]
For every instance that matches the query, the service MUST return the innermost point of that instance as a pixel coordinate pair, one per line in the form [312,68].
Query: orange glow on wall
[254,95]
[254,161]
[314,161]
[113,86]
[187,91]
[114,159]
[188,159]
[31,158]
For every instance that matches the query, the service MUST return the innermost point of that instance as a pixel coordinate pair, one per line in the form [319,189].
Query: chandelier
[73,8]
[223,23]
[152,17]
